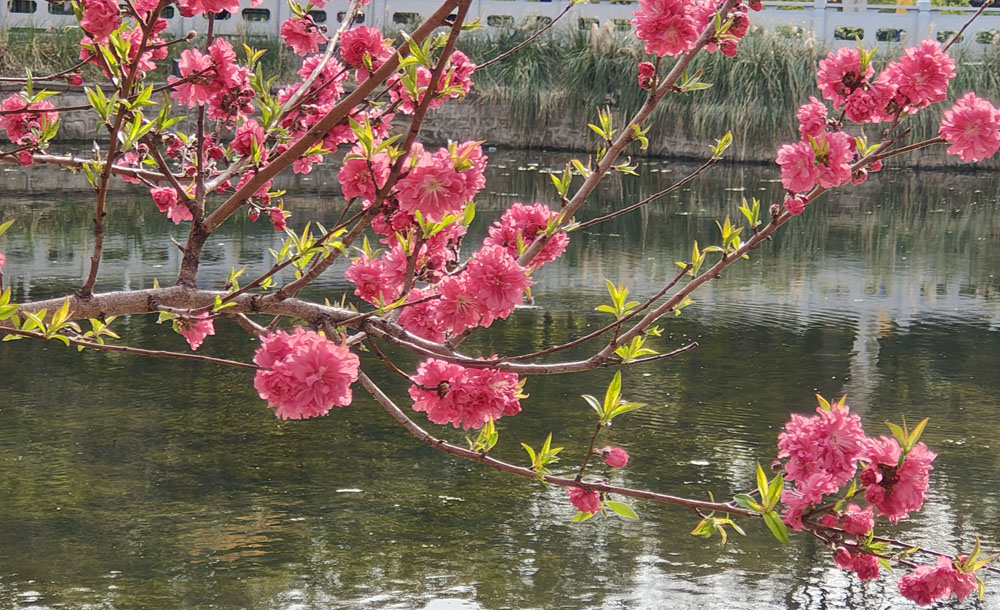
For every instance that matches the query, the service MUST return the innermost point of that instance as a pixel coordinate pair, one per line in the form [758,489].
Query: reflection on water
[130,483]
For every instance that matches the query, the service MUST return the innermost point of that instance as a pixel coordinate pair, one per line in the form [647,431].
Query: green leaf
[704,529]
[777,526]
[898,433]
[911,440]
[762,487]
[774,490]
[625,407]
[622,509]
[581,516]
[5,226]
[593,402]
[747,501]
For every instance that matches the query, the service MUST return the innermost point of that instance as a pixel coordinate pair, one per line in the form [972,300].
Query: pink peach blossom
[798,167]
[865,565]
[857,522]
[100,18]
[497,282]
[840,74]
[928,584]
[195,329]
[615,457]
[812,118]
[972,127]
[922,74]
[584,500]
[894,491]
[665,26]
[303,374]
[795,205]
[466,397]
[371,281]
[522,223]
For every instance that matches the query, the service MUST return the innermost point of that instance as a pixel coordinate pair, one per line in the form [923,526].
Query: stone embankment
[464,120]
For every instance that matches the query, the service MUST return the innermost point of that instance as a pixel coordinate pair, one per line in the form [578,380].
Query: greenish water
[127,482]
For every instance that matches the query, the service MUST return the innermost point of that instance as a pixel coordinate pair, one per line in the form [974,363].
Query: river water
[127,482]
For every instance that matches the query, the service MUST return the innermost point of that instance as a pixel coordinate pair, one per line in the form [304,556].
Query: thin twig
[131,350]
[651,198]
[526,41]
[483,458]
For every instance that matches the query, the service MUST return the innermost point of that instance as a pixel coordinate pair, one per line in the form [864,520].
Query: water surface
[136,483]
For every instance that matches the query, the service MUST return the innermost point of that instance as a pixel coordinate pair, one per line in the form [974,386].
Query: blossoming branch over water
[403,221]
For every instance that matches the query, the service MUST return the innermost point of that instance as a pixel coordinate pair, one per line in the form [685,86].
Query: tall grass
[754,94]
[567,73]
[49,51]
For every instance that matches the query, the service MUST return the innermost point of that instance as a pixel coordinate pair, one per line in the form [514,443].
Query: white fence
[833,24]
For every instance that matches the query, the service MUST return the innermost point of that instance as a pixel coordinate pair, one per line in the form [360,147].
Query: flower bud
[615,457]
[795,205]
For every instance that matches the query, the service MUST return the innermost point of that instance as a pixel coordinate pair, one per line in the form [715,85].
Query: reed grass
[754,95]
[49,51]
[573,72]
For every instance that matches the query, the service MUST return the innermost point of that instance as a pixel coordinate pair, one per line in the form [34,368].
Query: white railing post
[924,19]
[819,20]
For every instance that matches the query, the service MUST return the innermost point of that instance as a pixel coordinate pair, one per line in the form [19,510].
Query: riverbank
[544,95]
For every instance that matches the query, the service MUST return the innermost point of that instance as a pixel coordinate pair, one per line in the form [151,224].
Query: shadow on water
[131,483]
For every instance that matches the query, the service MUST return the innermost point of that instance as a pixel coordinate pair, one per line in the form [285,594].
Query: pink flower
[362,41]
[420,319]
[3,259]
[895,492]
[190,8]
[74,80]
[329,83]
[928,584]
[830,442]
[795,205]
[433,187]
[165,198]
[196,67]
[179,213]
[195,329]
[360,177]
[615,457]
[497,282]
[857,522]
[248,134]
[584,500]
[807,492]
[798,166]
[665,26]
[972,126]
[864,565]
[646,73]
[301,34]
[452,394]
[371,281]
[522,224]
[278,216]
[19,125]
[834,163]
[922,75]
[863,106]
[457,309]
[100,18]
[303,374]
[840,74]
[812,118]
